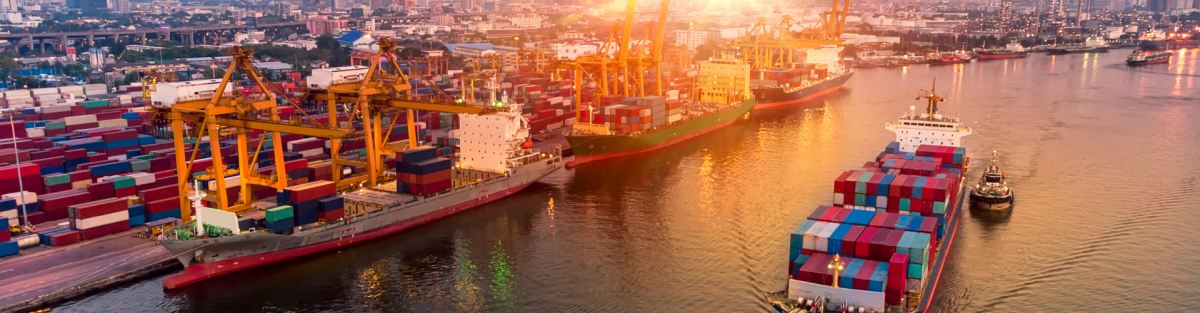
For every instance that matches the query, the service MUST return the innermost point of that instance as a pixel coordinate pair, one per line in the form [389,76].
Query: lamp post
[837,266]
[20,184]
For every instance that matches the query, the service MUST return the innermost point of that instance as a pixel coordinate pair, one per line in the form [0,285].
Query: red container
[65,238]
[104,230]
[81,175]
[862,279]
[889,246]
[119,135]
[295,165]
[26,170]
[161,205]
[816,264]
[850,240]
[829,214]
[124,192]
[309,191]
[36,217]
[429,188]
[897,271]
[97,208]
[873,184]
[839,184]
[893,296]
[879,219]
[331,215]
[878,244]
[158,193]
[423,179]
[841,215]
[862,245]
[56,206]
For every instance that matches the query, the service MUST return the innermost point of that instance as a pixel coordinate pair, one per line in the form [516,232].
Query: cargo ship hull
[208,258]
[777,97]
[943,249]
[594,148]
[986,56]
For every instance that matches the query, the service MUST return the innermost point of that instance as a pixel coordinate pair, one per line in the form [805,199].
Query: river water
[1104,160]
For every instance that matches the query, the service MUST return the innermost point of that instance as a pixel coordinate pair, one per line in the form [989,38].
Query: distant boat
[1091,45]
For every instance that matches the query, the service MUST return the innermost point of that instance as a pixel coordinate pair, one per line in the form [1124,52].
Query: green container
[861,185]
[121,182]
[198,174]
[860,199]
[161,153]
[56,125]
[143,157]
[139,165]
[904,205]
[939,207]
[279,213]
[95,104]
[906,243]
[57,179]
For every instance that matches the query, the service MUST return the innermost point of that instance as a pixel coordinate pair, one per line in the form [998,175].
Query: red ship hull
[200,272]
[1000,56]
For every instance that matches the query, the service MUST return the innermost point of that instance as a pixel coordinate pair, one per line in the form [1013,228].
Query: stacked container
[331,208]
[280,219]
[304,201]
[419,171]
[99,218]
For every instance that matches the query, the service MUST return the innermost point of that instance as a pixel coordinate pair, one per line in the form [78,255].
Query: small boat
[1141,57]
[992,192]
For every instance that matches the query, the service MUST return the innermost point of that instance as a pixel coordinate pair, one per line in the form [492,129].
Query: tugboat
[992,192]
[1143,57]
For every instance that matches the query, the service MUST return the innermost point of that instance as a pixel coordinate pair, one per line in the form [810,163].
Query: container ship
[1092,44]
[1013,51]
[311,218]
[882,243]
[1143,57]
[623,126]
[821,73]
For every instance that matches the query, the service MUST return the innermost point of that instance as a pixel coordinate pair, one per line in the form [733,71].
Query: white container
[674,118]
[35,132]
[312,152]
[881,202]
[119,157]
[823,237]
[44,91]
[142,178]
[80,119]
[56,109]
[569,121]
[291,146]
[839,199]
[810,236]
[229,182]
[113,123]
[22,197]
[105,219]
[71,89]
[11,215]
[27,241]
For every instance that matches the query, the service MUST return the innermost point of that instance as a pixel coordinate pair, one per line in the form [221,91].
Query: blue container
[851,270]
[904,246]
[136,220]
[424,167]
[794,253]
[281,198]
[890,163]
[956,171]
[884,184]
[247,224]
[867,217]
[798,262]
[892,148]
[915,223]
[292,156]
[309,207]
[125,143]
[8,204]
[879,278]
[164,215]
[306,219]
[107,169]
[870,200]
[132,153]
[417,155]
[44,236]
[918,186]
[331,203]
[32,207]
[281,225]
[8,248]
[902,222]
[297,174]
[51,170]
[798,234]
[137,210]
[129,116]
[145,140]
[909,155]
[835,241]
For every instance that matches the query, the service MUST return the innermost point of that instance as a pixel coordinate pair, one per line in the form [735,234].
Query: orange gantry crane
[382,89]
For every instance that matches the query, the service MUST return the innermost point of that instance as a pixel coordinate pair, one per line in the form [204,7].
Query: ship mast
[933,98]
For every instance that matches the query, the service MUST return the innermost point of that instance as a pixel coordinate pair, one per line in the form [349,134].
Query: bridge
[187,35]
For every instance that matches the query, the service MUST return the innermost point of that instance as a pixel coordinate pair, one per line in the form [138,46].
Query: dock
[42,276]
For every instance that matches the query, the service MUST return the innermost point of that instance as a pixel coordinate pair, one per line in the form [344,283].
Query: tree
[131,56]
[8,62]
[327,42]
[284,34]
[132,78]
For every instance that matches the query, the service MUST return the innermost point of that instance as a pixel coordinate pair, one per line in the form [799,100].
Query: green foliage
[131,78]
[131,56]
[327,42]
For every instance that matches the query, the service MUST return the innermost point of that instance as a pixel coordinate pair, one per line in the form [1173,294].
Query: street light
[837,266]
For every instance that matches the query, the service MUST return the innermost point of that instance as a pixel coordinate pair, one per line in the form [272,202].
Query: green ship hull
[593,148]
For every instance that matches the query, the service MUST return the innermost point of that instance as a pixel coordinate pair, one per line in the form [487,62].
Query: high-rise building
[88,6]
[1006,15]
[9,5]
[120,6]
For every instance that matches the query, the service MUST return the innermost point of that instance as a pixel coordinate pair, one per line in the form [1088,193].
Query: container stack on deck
[421,172]
[884,224]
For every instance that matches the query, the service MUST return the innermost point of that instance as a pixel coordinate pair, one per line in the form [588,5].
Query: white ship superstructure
[929,127]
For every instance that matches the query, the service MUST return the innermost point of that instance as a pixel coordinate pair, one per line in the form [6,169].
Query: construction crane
[242,114]
[150,80]
[767,45]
